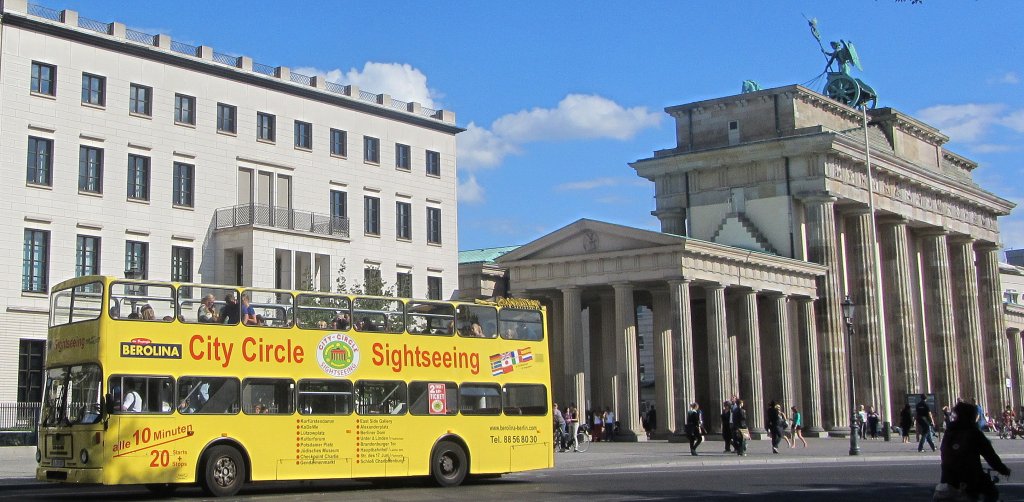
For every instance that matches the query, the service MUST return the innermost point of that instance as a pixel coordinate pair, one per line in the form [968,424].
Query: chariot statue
[840,85]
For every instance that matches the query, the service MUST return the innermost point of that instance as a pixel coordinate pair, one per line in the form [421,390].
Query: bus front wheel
[448,465]
[223,472]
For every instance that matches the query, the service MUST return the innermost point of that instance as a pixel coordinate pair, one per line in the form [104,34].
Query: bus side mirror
[108,403]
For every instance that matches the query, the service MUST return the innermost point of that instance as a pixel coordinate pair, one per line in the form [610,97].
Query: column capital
[817,197]
[986,246]
[569,289]
[857,210]
[775,295]
[1012,332]
[933,232]
[890,219]
[679,279]
[965,240]
[712,286]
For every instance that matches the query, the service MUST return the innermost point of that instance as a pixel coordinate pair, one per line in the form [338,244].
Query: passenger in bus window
[229,313]
[207,311]
[476,329]
[148,314]
[132,400]
[341,321]
[248,313]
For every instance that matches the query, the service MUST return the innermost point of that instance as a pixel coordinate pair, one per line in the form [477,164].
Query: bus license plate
[57,462]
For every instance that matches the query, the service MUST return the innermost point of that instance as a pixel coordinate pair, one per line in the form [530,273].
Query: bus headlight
[39,456]
[84,456]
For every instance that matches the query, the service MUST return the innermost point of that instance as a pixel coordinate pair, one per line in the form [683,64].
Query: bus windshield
[72,395]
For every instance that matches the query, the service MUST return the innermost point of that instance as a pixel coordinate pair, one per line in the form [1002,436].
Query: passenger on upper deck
[341,321]
[248,313]
[207,312]
[229,313]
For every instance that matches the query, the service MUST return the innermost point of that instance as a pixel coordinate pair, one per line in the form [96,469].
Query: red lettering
[196,354]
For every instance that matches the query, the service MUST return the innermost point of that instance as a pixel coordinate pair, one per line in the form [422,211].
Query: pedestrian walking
[741,434]
[572,425]
[774,425]
[651,422]
[598,425]
[695,427]
[798,426]
[727,425]
[906,422]
[925,423]
[609,424]
[873,421]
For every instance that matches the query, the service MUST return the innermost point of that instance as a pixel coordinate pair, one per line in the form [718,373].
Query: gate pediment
[585,237]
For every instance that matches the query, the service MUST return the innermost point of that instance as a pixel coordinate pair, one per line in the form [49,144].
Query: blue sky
[558,97]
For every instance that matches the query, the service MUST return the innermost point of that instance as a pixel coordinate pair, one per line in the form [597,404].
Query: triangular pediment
[590,237]
[737,230]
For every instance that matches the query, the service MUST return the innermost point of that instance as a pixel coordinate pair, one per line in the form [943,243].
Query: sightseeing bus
[167,384]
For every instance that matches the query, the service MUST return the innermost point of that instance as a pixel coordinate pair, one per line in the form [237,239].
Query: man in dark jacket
[962,446]
[739,426]
[727,425]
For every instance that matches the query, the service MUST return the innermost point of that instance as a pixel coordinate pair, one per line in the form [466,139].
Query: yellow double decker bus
[166,384]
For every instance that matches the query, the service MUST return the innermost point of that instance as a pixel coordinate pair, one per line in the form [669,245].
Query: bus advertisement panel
[164,384]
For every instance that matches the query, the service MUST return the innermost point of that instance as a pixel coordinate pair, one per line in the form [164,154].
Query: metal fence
[19,416]
[281,217]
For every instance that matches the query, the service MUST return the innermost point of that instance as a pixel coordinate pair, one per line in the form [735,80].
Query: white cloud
[470,191]
[1009,77]
[966,122]
[480,148]
[1014,120]
[577,116]
[992,148]
[601,182]
[401,81]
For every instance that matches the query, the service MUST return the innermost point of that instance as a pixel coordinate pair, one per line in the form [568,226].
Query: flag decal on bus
[505,362]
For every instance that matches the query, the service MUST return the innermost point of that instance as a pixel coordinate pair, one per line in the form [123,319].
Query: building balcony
[282,218]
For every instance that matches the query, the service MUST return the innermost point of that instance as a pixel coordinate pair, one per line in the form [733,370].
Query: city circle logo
[337,354]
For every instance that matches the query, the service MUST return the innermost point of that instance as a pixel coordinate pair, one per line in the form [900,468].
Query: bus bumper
[56,474]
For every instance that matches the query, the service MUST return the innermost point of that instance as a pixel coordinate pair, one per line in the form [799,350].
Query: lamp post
[854,428]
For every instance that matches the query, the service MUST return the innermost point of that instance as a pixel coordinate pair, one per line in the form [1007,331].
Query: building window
[303,135]
[140,100]
[403,156]
[226,118]
[339,204]
[184,109]
[90,169]
[373,284]
[371,210]
[44,79]
[40,160]
[184,184]
[94,90]
[136,258]
[434,225]
[87,255]
[265,127]
[31,356]
[181,264]
[138,177]
[371,149]
[403,219]
[433,163]
[35,263]
[434,287]
[404,285]
[339,143]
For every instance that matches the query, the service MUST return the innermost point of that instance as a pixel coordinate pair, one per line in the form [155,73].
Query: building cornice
[153,53]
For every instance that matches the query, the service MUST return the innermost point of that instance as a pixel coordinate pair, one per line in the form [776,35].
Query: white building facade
[129,152]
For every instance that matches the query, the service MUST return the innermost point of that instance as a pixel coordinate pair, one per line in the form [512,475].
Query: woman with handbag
[695,427]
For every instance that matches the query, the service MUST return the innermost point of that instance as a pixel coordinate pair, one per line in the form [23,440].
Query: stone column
[993,326]
[941,330]
[778,335]
[822,249]
[749,341]
[682,350]
[609,358]
[810,378]
[664,359]
[573,357]
[718,344]
[965,312]
[870,345]
[628,412]
[1017,372]
[901,323]
[556,326]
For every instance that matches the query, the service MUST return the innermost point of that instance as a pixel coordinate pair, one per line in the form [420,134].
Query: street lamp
[854,428]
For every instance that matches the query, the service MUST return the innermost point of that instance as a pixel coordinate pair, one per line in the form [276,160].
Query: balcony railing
[264,215]
[19,416]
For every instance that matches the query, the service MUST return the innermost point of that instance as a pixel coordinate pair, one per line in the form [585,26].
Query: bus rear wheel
[448,465]
[223,472]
